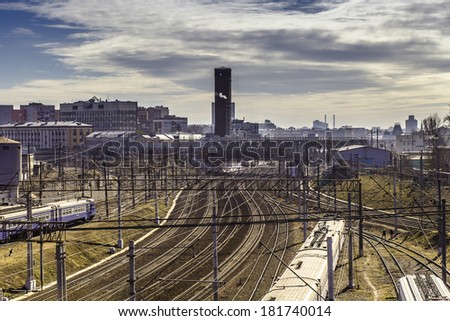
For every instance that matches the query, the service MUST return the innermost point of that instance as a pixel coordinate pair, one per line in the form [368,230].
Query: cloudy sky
[372,63]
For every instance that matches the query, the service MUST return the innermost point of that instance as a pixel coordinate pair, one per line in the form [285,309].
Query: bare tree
[431,128]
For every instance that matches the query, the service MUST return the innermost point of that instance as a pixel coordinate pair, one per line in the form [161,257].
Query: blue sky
[372,63]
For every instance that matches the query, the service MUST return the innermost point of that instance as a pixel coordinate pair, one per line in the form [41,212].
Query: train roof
[22,213]
[423,288]
[323,230]
[306,276]
[72,201]
[47,207]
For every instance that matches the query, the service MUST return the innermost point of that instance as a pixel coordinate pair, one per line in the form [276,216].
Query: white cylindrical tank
[10,169]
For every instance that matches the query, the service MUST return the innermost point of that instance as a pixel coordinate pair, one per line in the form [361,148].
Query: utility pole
[377,138]
[318,187]
[82,177]
[299,203]
[349,210]
[421,185]
[61,272]
[444,242]
[165,186]
[350,242]
[361,220]
[215,257]
[351,283]
[400,198]
[106,192]
[149,176]
[30,284]
[156,198]
[305,210]
[119,215]
[132,185]
[41,255]
[334,197]
[145,184]
[288,191]
[41,187]
[395,206]
[330,269]
[29,162]
[132,279]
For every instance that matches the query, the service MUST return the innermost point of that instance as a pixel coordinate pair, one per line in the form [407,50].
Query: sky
[371,63]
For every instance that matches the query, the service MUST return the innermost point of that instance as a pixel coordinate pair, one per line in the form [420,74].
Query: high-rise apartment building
[222,101]
[103,115]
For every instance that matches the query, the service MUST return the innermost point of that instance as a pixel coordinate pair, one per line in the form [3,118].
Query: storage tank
[10,169]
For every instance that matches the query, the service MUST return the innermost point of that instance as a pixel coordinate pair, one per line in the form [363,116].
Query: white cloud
[357,56]
[23,33]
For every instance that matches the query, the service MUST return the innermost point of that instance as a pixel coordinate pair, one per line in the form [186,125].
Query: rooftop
[4,140]
[45,124]
[354,147]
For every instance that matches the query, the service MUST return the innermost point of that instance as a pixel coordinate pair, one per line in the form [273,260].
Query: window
[5,147]
[74,107]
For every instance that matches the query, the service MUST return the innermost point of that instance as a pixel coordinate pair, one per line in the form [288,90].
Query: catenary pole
[132,279]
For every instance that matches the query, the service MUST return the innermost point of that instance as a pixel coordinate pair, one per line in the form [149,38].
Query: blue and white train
[12,224]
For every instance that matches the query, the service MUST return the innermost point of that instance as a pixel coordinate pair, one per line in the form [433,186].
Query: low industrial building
[47,135]
[364,156]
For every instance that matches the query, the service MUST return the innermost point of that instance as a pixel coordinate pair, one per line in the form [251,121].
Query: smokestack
[334,121]
[325,119]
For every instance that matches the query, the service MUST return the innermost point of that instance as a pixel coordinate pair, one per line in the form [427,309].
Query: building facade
[147,116]
[102,115]
[10,169]
[413,142]
[6,114]
[222,101]
[17,116]
[365,156]
[170,124]
[49,135]
[244,128]
[34,112]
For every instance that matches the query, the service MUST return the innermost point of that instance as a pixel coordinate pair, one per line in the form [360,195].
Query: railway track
[195,276]
[81,286]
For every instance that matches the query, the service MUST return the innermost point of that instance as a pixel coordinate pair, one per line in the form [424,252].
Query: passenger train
[77,210]
[307,278]
[422,288]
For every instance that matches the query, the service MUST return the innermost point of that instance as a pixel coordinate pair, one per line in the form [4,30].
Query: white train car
[307,278]
[422,288]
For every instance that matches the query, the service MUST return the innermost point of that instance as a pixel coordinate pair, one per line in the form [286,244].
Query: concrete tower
[222,101]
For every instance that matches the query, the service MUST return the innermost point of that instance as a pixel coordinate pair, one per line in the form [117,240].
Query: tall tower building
[222,101]
[411,124]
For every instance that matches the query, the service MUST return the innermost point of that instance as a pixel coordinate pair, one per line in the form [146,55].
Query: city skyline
[371,64]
